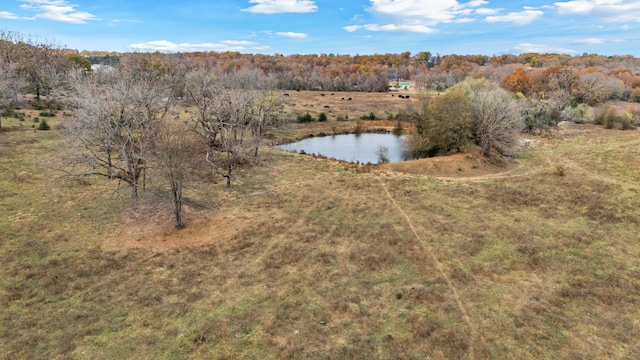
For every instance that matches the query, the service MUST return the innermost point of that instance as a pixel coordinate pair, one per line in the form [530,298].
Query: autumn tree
[444,125]
[517,82]
[78,61]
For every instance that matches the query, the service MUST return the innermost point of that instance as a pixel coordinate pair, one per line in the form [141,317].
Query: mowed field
[311,258]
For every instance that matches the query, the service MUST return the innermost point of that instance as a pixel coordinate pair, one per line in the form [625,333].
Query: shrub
[322,117]
[403,115]
[372,116]
[575,113]
[44,125]
[610,119]
[47,114]
[627,121]
[635,95]
[626,124]
[538,116]
[9,112]
[599,114]
[421,147]
[306,118]
[383,154]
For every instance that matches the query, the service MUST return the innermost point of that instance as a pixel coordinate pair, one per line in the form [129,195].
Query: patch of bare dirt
[470,164]
[159,234]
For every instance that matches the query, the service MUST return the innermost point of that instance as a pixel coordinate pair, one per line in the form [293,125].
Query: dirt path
[427,249]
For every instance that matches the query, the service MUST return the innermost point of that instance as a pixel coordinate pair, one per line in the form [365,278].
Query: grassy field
[309,258]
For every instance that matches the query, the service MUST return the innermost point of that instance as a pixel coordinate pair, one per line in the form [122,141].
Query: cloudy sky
[488,27]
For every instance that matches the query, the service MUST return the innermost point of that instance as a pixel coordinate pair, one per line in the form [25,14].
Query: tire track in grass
[439,266]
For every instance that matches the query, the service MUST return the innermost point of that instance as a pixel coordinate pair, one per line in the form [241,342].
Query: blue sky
[488,27]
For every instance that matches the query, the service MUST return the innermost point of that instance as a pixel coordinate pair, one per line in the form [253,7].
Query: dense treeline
[40,65]
[428,71]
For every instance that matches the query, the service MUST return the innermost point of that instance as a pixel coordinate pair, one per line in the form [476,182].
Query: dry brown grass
[310,258]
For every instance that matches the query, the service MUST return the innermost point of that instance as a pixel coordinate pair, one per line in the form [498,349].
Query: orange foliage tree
[518,81]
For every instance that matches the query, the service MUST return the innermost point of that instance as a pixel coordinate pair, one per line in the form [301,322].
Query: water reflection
[351,147]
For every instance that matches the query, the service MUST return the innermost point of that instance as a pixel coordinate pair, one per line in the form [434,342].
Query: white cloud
[400,28]
[227,45]
[418,16]
[519,18]
[609,10]
[422,12]
[391,27]
[293,35]
[58,10]
[7,15]
[590,41]
[485,11]
[281,6]
[542,49]
[352,28]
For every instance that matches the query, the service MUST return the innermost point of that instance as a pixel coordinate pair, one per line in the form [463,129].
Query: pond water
[351,147]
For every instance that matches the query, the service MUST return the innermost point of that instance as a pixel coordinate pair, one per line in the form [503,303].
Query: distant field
[309,258]
[336,104]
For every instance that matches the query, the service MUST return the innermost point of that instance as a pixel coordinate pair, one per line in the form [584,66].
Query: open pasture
[310,258]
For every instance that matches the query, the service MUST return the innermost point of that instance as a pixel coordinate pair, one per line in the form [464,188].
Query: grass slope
[310,258]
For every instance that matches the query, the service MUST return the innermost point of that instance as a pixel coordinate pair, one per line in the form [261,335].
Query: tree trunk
[134,190]
[176,192]
[230,159]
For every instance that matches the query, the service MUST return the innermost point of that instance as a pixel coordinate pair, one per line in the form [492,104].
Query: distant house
[399,85]
[100,67]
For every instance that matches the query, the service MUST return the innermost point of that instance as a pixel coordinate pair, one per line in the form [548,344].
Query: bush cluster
[11,112]
[306,118]
[607,116]
[44,125]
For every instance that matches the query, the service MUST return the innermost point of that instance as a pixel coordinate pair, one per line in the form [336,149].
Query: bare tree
[497,116]
[10,84]
[232,114]
[176,149]
[594,88]
[114,122]
[11,78]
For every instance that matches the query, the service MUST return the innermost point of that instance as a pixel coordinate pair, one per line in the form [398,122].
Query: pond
[353,147]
